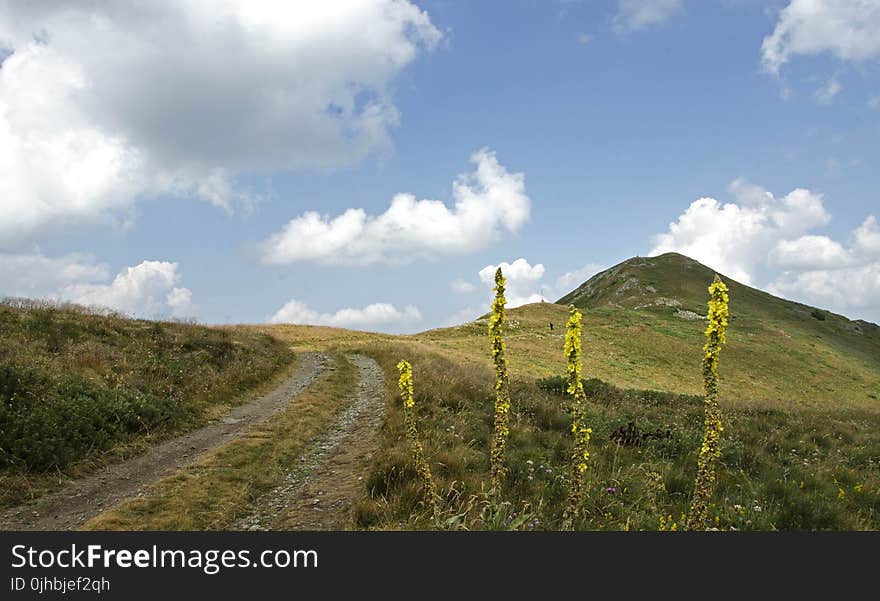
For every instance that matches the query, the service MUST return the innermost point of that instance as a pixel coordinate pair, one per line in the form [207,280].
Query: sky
[369,163]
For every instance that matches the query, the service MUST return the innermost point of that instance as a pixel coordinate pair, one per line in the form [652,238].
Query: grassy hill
[643,328]
[799,390]
[78,387]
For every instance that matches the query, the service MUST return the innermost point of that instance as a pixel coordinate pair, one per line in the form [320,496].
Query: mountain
[678,282]
[643,328]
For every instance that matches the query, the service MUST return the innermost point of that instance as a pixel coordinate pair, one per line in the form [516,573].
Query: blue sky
[164,161]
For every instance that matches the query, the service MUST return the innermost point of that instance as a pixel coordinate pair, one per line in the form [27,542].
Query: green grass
[806,468]
[79,388]
[799,392]
[219,488]
[777,351]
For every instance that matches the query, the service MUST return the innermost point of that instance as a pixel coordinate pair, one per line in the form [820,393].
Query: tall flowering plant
[709,451]
[574,386]
[497,321]
[405,383]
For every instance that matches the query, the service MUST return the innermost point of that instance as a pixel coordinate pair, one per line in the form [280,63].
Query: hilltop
[643,328]
[799,387]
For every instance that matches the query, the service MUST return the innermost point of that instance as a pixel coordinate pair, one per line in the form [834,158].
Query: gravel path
[317,493]
[72,506]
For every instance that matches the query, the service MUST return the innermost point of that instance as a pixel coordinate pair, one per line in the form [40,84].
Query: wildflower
[709,451]
[575,387]
[667,524]
[502,388]
[858,487]
[611,490]
[405,383]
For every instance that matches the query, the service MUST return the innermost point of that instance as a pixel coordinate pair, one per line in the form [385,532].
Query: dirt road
[318,492]
[74,505]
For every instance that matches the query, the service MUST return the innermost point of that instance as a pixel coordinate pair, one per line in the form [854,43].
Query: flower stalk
[580,455]
[497,322]
[405,383]
[704,485]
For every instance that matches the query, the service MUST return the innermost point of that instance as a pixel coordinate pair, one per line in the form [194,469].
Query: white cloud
[633,15]
[843,290]
[146,290]
[737,237]
[867,238]
[828,92]
[764,241]
[104,103]
[523,281]
[584,38]
[382,316]
[486,202]
[824,273]
[572,279]
[848,29]
[807,252]
[873,102]
[465,315]
[34,275]
[460,286]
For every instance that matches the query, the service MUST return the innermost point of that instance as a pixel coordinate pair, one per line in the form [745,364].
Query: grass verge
[81,388]
[780,468]
[219,489]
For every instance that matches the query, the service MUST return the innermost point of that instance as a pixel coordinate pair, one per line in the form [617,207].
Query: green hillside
[78,386]
[643,328]
[799,389]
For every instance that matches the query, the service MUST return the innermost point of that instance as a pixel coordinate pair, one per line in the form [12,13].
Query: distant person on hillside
[551,326]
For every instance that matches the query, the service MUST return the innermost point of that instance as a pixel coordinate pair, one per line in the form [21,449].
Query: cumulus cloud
[847,29]
[808,251]
[464,315]
[736,237]
[633,15]
[460,286]
[104,103]
[572,279]
[823,272]
[523,281]
[844,290]
[34,274]
[767,242]
[867,238]
[381,316]
[146,290]
[486,202]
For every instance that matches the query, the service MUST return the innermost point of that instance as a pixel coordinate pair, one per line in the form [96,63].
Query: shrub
[47,424]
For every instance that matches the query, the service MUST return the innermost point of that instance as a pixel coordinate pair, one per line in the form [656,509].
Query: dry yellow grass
[214,492]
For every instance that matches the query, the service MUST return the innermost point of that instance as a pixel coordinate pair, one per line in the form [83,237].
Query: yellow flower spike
[497,322]
[405,383]
[704,485]
[580,454]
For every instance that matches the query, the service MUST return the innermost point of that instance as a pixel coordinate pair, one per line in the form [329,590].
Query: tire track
[75,504]
[318,492]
